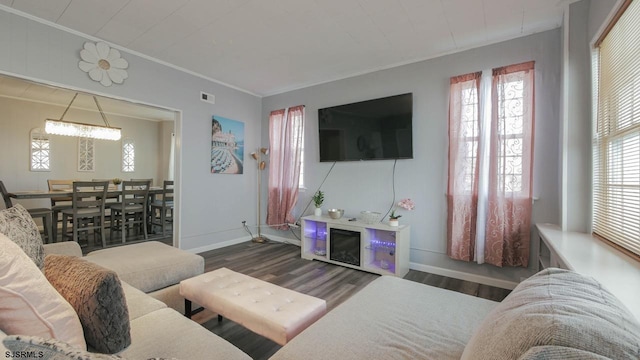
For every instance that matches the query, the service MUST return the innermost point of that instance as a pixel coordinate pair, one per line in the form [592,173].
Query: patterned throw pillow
[97,296]
[18,225]
[33,347]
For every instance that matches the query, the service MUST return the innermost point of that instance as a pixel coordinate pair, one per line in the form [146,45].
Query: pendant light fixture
[68,128]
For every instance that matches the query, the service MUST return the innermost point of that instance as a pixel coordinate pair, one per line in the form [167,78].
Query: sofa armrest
[71,248]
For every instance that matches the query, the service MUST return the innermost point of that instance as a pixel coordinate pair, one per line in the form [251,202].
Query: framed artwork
[227,146]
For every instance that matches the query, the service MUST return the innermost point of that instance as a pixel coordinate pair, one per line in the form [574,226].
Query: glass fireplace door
[345,246]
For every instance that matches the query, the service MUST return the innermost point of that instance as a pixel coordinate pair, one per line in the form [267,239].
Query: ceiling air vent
[207,97]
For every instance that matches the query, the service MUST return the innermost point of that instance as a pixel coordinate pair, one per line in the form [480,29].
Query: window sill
[588,255]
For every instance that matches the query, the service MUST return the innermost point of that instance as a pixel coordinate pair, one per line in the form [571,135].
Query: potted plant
[117,182]
[406,204]
[318,199]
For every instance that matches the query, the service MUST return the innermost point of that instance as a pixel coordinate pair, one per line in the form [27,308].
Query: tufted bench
[264,308]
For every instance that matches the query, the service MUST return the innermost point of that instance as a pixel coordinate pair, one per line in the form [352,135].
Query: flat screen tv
[379,129]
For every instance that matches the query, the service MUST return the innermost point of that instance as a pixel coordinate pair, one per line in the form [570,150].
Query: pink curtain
[285,145]
[510,166]
[462,187]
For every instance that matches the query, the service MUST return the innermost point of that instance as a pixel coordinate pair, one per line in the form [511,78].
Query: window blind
[616,145]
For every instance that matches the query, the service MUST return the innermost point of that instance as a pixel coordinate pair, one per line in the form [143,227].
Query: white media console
[376,248]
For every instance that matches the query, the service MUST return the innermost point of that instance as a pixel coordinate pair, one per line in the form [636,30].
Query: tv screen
[379,129]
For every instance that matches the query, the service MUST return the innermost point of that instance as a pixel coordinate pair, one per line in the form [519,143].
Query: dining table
[47,194]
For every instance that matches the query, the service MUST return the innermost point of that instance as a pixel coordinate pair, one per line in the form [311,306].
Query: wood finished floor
[282,265]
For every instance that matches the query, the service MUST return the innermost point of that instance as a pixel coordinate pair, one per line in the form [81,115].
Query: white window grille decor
[86,155]
[40,150]
[128,155]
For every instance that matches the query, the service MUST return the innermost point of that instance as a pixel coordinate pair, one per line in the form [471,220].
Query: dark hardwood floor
[282,265]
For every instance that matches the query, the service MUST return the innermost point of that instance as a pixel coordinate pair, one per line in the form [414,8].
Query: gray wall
[211,207]
[357,186]
[577,146]
[585,18]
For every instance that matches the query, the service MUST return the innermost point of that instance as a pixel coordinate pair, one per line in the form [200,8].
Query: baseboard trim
[504,284]
[215,246]
[285,240]
[219,245]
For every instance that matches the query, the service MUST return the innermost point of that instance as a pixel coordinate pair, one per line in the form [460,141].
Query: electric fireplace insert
[345,246]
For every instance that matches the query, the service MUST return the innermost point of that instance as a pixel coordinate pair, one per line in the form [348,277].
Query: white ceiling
[270,46]
[23,90]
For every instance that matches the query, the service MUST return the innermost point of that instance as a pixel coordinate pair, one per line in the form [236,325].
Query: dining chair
[151,199]
[59,203]
[112,198]
[150,180]
[43,213]
[162,209]
[87,210]
[131,211]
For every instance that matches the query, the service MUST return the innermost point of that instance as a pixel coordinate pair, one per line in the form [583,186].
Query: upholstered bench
[264,308]
[153,267]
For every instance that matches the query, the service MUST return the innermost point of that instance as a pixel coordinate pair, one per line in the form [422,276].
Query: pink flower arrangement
[406,204]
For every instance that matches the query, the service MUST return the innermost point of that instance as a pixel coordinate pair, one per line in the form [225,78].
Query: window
[511,127]
[40,150]
[286,129]
[616,143]
[128,155]
[489,195]
[469,118]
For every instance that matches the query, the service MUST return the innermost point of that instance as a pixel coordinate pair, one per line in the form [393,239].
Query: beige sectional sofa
[150,273]
[556,314]
[57,304]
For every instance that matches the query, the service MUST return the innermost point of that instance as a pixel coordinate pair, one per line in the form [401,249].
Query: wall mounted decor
[227,146]
[86,154]
[103,63]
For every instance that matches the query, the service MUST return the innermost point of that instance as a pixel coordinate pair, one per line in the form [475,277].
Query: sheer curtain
[489,192]
[286,128]
[462,187]
[510,167]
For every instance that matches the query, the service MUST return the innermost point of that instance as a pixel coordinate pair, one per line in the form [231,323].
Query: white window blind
[616,145]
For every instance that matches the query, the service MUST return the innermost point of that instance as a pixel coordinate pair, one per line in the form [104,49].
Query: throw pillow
[35,347]
[560,308]
[18,225]
[97,296]
[29,304]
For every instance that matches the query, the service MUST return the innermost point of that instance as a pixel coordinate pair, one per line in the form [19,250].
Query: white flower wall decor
[103,63]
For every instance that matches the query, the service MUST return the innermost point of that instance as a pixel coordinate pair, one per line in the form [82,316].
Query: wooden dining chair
[162,209]
[42,213]
[131,211]
[59,203]
[87,210]
[151,199]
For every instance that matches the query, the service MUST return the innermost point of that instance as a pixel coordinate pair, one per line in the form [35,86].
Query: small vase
[317,211]
[393,222]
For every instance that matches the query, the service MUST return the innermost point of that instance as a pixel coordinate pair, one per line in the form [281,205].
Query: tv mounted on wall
[378,129]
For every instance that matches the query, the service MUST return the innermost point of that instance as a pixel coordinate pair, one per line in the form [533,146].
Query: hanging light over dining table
[69,128]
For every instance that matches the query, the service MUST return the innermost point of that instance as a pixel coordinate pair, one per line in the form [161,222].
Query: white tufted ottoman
[264,308]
